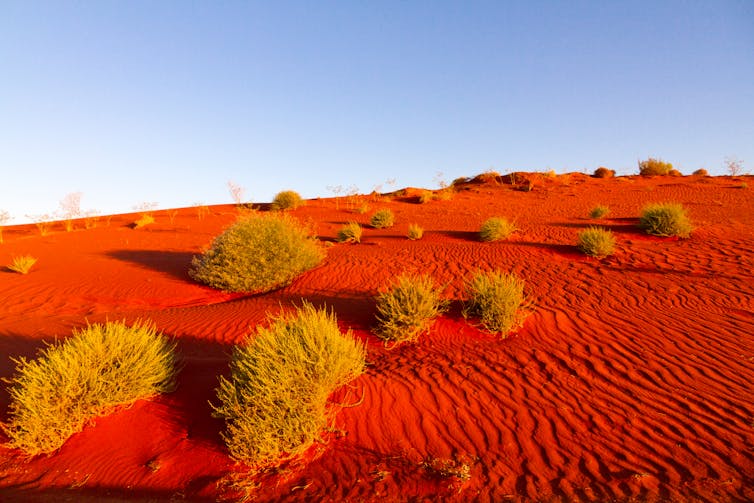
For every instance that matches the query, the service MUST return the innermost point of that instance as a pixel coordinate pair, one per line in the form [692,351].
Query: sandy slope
[631,380]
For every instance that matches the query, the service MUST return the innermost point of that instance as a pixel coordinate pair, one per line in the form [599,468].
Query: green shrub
[287,200]
[382,219]
[22,264]
[85,376]
[350,233]
[408,308]
[414,232]
[259,253]
[599,212]
[276,401]
[652,167]
[496,229]
[497,299]
[596,242]
[665,219]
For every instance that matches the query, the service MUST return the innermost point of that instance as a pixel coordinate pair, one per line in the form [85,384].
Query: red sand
[630,381]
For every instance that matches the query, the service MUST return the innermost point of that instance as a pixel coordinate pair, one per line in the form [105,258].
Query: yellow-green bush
[276,400]
[596,242]
[98,368]
[652,167]
[22,264]
[287,200]
[496,229]
[382,219]
[599,212]
[350,233]
[665,219]
[414,232]
[259,253]
[497,299]
[407,309]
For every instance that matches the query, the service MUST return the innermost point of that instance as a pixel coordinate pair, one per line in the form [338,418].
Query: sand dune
[630,380]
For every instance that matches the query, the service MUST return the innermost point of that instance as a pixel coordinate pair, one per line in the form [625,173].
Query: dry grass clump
[603,172]
[653,167]
[665,219]
[287,200]
[382,219]
[496,229]
[350,233]
[259,253]
[143,221]
[276,400]
[596,242]
[22,264]
[497,299]
[414,232]
[599,212]
[92,372]
[700,172]
[407,309]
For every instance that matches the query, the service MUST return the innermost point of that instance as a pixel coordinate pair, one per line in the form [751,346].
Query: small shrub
[143,221]
[496,229]
[665,219]
[603,172]
[22,264]
[276,401]
[599,212]
[259,253]
[701,172]
[382,219]
[408,308]
[653,167]
[497,299]
[674,172]
[596,242]
[426,196]
[92,372]
[287,200]
[350,233]
[415,232]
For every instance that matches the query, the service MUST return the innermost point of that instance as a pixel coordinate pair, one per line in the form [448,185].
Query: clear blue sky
[143,101]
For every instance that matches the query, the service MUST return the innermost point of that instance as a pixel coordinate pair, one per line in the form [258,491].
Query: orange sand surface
[630,381]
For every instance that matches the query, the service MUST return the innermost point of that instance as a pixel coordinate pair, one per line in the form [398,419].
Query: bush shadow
[175,264]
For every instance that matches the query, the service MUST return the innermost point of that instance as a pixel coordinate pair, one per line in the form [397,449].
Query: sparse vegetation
[259,253]
[42,222]
[71,208]
[276,400]
[4,218]
[382,219]
[143,221]
[287,200]
[496,229]
[415,232]
[22,264]
[350,233]
[599,212]
[596,242]
[734,166]
[665,219]
[497,299]
[408,308]
[701,172]
[654,167]
[87,375]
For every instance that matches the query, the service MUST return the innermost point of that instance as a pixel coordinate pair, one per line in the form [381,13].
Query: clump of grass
[259,253]
[143,221]
[653,167]
[350,233]
[414,232]
[407,309]
[22,264]
[700,172]
[665,219]
[97,369]
[497,299]
[596,242]
[496,229]
[287,200]
[603,172]
[276,401]
[382,219]
[426,196]
[599,212]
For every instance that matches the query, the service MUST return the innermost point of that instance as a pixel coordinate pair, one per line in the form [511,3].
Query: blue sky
[133,102]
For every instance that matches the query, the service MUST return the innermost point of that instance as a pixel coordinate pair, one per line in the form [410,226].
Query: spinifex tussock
[95,370]
[497,299]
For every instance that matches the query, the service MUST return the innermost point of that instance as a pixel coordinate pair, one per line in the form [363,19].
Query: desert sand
[631,380]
